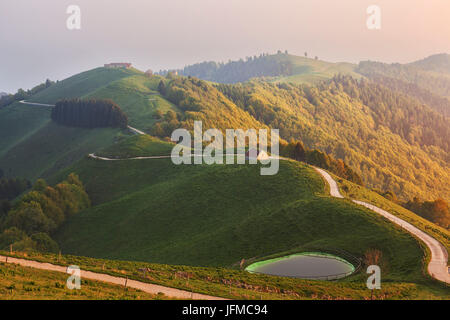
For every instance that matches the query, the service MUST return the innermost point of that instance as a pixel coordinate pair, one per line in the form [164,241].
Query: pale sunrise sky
[161,34]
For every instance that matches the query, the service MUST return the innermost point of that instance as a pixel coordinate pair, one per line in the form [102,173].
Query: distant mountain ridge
[429,78]
[280,67]
[437,63]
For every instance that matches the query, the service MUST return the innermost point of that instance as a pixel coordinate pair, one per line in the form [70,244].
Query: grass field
[19,122]
[52,148]
[82,84]
[23,283]
[137,146]
[138,97]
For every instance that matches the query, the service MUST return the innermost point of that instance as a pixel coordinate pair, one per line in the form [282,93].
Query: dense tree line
[434,101]
[90,113]
[22,94]
[29,223]
[297,151]
[200,100]
[436,211]
[12,187]
[414,122]
[429,74]
[242,70]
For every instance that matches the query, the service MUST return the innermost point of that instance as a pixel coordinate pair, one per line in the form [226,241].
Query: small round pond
[307,265]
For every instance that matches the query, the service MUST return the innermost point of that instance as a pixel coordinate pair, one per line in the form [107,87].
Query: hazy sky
[35,43]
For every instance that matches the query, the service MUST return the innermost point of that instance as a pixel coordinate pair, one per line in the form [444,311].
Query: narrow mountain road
[146,287]
[437,266]
[334,189]
[93,156]
[137,131]
[36,104]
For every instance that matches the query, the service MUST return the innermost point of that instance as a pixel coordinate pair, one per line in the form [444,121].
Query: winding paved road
[146,287]
[437,266]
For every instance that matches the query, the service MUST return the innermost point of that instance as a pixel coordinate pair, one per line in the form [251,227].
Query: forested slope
[393,141]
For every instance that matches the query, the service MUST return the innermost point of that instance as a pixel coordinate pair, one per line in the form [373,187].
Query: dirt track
[146,287]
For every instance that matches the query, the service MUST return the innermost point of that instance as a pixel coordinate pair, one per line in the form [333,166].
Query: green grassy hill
[138,97]
[82,84]
[308,70]
[431,73]
[27,131]
[152,210]
[280,67]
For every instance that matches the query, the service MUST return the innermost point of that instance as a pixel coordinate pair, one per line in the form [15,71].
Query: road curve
[437,266]
[146,287]
[36,104]
[334,189]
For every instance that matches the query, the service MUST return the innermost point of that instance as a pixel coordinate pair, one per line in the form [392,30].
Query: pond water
[308,265]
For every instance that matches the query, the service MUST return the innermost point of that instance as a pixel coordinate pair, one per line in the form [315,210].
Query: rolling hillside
[363,123]
[308,70]
[280,67]
[388,138]
[212,216]
[27,130]
[428,79]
